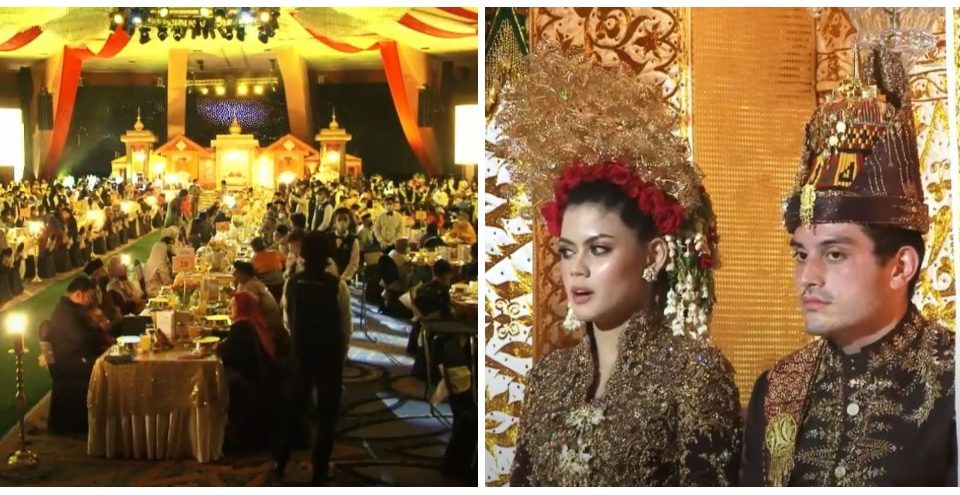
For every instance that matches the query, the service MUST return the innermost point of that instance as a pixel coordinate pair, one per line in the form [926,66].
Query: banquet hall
[238,246]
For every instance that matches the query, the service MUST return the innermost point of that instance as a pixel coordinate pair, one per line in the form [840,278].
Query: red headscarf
[248,309]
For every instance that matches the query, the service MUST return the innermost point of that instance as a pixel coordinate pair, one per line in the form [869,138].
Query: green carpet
[38,308]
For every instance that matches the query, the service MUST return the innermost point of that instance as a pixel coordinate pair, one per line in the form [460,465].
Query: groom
[871,402]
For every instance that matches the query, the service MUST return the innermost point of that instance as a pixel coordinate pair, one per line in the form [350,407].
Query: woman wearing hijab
[157,271]
[251,356]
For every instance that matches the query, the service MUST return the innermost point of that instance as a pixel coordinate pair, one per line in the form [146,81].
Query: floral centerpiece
[184,286]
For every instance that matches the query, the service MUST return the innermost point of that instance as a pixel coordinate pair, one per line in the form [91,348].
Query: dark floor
[387,435]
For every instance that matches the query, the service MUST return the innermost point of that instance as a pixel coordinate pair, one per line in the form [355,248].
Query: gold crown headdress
[568,117]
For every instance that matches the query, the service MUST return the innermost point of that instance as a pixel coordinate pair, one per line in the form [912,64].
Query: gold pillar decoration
[333,150]
[177,59]
[936,290]
[139,143]
[753,91]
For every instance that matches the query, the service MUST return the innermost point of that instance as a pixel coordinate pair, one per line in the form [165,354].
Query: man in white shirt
[389,225]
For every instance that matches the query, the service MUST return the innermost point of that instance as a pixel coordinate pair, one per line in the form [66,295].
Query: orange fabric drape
[408,118]
[460,12]
[73,59]
[412,22]
[21,39]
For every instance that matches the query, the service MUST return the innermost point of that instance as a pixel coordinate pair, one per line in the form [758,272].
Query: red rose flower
[706,261]
[651,199]
[669,218]
[634,187]
[618,174]
[553,216]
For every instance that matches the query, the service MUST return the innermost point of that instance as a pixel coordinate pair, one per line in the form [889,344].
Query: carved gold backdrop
[751,78]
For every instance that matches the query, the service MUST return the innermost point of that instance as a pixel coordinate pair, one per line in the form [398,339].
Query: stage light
[466,147]
[137,20]
[246,17]
[164,12]
[287,177]
[118,19]
[226,33]
[220,90]
[243,90]
[204,12]
[204,90]
[263,36]
[258,89]
[144,35]
[162,33]
[178,33]
[264,16]
[241,33]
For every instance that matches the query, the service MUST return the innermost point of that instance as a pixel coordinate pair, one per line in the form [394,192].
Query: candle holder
[16,324]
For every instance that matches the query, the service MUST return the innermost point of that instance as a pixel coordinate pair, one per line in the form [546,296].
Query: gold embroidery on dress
[881,403]
[780,438]
[668,398]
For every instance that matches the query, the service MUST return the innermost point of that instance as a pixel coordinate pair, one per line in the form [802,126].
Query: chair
[16,281]
[46,266]
[6,292]
[61,260]
[100,245]
[76,256]
[30,270]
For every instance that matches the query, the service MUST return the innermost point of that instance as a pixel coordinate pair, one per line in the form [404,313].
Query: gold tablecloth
[158,407]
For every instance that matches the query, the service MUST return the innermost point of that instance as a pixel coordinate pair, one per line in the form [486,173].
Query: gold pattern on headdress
[559,113]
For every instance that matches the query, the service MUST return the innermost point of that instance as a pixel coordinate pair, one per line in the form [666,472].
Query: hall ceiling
[360,27]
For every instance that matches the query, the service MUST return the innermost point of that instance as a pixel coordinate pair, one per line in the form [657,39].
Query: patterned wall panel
[753,91]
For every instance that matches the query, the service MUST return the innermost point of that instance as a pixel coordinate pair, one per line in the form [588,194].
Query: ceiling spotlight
[241,33]
[195,30]
[263,36]
[204,90]
[162,33]
[220,90]
[264,16]
[243,90]
[164,12]
[144,35]
[178,33]
[204,12]
[258,89]
[227,33]
[118,18]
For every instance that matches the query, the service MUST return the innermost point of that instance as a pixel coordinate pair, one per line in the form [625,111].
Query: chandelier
[207,22]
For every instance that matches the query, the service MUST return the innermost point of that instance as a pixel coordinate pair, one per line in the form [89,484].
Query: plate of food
[205,344]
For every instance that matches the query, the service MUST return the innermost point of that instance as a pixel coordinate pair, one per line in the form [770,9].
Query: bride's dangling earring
[571,323]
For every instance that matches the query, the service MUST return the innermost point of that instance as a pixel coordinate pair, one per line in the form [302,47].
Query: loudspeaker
[425,107]
[44,110]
